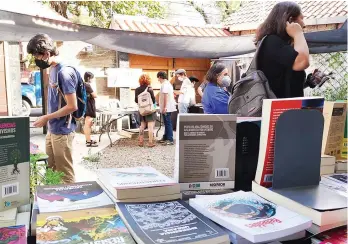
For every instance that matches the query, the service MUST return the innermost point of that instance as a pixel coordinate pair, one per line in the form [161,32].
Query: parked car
[31,93]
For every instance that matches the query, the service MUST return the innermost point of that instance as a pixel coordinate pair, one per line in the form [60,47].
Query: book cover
[336,183]
[250,216]
[13,235]
[335,114]
[344,144]
[14,162]
[8,214]
[168,222]
[271,110]
[206,148]
[70,197]
[136,177]
[335,236]
[99,225]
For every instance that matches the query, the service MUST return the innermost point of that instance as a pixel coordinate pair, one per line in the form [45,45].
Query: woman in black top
[284,54]
[90,111]
[148,120]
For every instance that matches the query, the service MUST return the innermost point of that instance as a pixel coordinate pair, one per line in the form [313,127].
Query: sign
[123,77]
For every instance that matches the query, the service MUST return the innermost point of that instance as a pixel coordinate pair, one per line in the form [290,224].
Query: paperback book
[206,148]
[137,182]
[99,225]
[336,183]
[13,235]
[169,222]
[70,197]
[14,162]
[8,217]
[250,216]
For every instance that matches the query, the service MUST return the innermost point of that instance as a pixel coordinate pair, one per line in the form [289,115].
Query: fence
[337,87]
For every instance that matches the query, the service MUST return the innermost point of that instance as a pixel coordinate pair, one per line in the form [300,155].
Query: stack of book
[205,152]
[341,166]
[248,217]
[327,165]
[8,217]
[169,222]
[138,184]
[80,212]
[336,183]
[288,172]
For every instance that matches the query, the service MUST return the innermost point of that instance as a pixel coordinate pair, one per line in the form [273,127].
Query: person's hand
[164,111]
[293,29]
[41,122]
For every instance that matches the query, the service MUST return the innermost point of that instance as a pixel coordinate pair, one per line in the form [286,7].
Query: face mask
[225,81]
[181,78]
[42,64]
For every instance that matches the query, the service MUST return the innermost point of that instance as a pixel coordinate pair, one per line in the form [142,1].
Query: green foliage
[227,7]
[101,12]
[94,158]
[39,175]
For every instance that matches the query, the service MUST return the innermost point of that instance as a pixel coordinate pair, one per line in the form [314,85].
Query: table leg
[160,125]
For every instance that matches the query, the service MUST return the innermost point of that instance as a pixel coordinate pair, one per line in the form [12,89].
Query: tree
[101,12]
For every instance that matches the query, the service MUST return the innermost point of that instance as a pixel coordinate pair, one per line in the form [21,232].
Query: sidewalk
[79,151]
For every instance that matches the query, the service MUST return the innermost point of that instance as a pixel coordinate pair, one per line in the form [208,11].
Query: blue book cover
[169,222]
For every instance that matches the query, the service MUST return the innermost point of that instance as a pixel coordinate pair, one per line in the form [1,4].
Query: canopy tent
[21,27]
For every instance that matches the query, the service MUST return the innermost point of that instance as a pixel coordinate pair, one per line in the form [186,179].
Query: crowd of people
[283,58]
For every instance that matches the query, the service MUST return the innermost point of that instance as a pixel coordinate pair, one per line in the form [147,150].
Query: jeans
[168,127]
[183,108]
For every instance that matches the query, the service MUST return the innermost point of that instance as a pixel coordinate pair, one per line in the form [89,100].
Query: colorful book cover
[169,222]
[205,148]
[99,225]
[70,197]
[14,162]
[13,235]
[250,216]
[136,177]
[271,110]
[336,236]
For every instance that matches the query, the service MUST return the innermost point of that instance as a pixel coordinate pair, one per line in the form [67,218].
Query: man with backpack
[63,95]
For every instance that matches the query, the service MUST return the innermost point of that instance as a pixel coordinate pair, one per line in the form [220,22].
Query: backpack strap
[61,96]
[253,65]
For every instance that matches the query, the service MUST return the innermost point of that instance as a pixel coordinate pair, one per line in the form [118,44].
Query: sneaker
[169,143]
[162,141]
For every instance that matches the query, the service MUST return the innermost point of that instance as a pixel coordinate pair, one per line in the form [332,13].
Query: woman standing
[91,110]
[284,53]
[148,120]
[215,95]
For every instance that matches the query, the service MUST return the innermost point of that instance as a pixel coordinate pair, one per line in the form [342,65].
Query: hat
[180,71]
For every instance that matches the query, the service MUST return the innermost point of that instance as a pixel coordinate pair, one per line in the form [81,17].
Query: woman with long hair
[148,120]
[215,95]
[284,53]
[90,111]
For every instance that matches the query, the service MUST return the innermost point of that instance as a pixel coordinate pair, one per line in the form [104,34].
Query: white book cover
[136,177]
[71,197]
[250,216]
[336,183]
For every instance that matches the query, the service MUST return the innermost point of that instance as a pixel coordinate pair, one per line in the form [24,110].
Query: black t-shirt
[275,60]
[91,110]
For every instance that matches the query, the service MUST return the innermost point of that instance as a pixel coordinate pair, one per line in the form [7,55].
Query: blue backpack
[81,96]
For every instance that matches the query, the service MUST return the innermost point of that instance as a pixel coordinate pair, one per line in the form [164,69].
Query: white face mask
[180,78]
[225,81]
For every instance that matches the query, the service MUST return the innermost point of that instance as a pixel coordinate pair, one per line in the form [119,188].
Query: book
[8,217]
[137,182]
[247,150]
[341,166]
[271,110]
[250,216]
[23,219]
[335,117]
[14,162]
[205,148]
[320,204]
[98,225]
[70,197]
[13,235]
[336,183]
[344,145]
[316,229]
[213,185]
[169,222]
[327,169]
[335,236]
[327,160]
[186,195]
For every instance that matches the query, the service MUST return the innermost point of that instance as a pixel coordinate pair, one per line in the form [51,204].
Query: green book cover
[345,139]
[14,162]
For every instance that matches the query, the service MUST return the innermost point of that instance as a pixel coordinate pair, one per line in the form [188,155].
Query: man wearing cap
[186,91]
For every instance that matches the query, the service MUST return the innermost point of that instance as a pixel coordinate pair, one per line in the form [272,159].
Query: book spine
[207,185]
